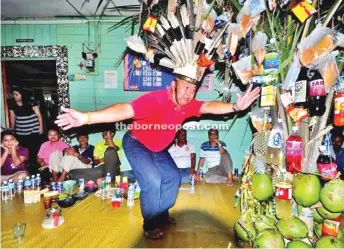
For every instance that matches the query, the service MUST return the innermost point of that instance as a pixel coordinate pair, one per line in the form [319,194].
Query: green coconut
[327,214]
[242,229]
[318,231]
[329,242]
[269,238]
[317,217]
[262,222]
[298,244]
[261,187]
[292,228]
[303,185]
[332,196]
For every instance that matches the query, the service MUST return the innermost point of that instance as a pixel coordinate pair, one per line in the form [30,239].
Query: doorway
[38,81]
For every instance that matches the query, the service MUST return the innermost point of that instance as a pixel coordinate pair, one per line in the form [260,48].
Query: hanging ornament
[303,10]
[150,24]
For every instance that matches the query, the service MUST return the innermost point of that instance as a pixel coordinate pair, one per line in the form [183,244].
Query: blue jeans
[159,180]
[185,175]
[130,174]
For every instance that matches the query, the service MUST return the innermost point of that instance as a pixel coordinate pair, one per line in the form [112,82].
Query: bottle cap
[5,182]
[108,174]
[10,180]
[38,175]
[295,128]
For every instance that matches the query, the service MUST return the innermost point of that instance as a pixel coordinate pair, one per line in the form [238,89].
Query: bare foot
[154,234]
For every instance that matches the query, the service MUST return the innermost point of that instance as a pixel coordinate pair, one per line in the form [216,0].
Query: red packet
[331,227]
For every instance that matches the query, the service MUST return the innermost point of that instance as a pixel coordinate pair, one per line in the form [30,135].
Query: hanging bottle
[294,149]
[326,164]
[284,204]
[300,92]
[339,109]
[275,141]
[316,94]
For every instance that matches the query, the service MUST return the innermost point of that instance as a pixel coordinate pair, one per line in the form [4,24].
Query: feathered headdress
[185,40]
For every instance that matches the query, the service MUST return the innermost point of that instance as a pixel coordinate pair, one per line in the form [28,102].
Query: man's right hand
[71,118]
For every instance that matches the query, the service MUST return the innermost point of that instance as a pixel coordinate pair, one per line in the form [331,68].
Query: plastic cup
[19,230]
[47,201]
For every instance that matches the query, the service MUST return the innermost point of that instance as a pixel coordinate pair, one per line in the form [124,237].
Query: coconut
[332,196]
[242,227]
[327,214]
[262,222]
[298,244]
[317,217]
[293,228]
[318,231]
[261,187]
[329,242]
[269,238]
[303,185]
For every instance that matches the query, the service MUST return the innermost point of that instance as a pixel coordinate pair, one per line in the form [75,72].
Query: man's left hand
[243,102]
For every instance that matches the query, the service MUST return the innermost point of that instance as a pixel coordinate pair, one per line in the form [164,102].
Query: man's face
[337,143]
[107,134]
[184,91]
[53,136]
[181,136]
[213,136]
[83,140]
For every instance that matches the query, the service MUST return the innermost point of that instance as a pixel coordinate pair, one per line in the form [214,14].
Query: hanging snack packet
[296,113]
[257,118]
[233,37]
[150,24]
[328,68]
[303,10]
[243,69]
[271,62]
[292,74]
[320,42]
[256,7]
[258,46]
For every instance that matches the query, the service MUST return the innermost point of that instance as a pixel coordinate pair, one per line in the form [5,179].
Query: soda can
[81,183]
[53,186]
[59,187]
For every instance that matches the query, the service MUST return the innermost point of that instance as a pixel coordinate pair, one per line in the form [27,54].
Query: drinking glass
[19,230]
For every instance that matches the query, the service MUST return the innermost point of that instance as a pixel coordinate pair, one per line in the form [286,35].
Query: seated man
[78,157]
[218,160]
[50,155]
[183,154]
[337,142]
[13,158]
[106,159]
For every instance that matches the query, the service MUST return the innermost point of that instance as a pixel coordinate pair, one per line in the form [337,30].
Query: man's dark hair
[82,134]
[337,133]
[213,130]
[7,133]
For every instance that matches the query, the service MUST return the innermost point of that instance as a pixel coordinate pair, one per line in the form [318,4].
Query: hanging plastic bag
[339,39]
[257,6]
[233,38]
[320,42]
[245,19]
[243,69]
[293,73]
[328,68]
[257,118]
[258,46]
[136,44]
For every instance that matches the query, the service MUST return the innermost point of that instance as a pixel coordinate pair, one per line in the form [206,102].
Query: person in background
[337,142]
[105,157]
[13,158]
[184,155]
[78,157]
[27,122]
[218,160]
[50,155]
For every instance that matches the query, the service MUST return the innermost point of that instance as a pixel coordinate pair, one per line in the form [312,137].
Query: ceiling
[11,9]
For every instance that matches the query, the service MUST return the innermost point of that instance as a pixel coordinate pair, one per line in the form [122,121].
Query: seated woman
[13,158]
[50,155]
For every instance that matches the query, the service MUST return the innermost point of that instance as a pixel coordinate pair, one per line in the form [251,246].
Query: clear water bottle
[108,180]
[33,181]
[20,185]
[27,183]
[131,195]
[4,191]
[11,188]
[38,180]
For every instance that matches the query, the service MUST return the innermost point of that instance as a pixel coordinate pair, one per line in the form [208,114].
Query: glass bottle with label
[283,197]
[316,94]
[294,149]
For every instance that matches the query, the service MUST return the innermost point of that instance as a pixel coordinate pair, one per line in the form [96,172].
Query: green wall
[90,93]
